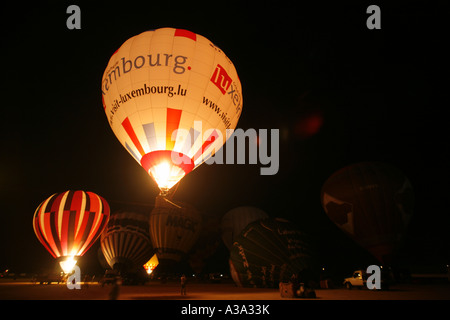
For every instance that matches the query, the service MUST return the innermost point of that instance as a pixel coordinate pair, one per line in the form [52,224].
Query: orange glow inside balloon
[68,264]
[167,168]
[166,175]
[151,264]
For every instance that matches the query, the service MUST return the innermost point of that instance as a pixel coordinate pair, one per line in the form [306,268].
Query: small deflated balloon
[169,96]
[68,223]
[372,202]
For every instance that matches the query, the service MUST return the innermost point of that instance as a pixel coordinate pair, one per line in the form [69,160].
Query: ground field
[210,291]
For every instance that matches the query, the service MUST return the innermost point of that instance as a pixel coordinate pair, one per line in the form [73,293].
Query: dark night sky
[379,93]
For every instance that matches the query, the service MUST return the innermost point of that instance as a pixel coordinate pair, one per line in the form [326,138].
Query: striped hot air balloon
[126,243]
[169,96]
[68,223]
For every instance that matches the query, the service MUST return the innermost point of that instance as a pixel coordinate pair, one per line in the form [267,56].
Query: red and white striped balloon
[68,223]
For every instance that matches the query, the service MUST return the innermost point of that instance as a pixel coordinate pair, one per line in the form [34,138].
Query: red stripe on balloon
[185,33]
[95,207]
[49,218]
[154,158]
[172,124]
[94,201]
[73,201]
[82,224]
[39,232]
[130,131]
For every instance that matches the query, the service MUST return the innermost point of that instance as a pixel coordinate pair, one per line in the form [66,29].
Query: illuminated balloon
[174,229]
[126,243]
[235,220]
[169,96]
[270,251]
[372,202]
[151,264]
[68,223]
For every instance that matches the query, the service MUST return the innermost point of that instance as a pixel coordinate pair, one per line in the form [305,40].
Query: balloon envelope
[269,251]
[235,220]
[174,228]
[68,223]
[372,202]
[126,243]
[169,96]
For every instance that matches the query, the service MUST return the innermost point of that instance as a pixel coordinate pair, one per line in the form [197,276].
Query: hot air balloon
[151,264]
[235,220]
[270,251]
[372,202]
[174,229]
[169,96]
[126,243]
[68,223]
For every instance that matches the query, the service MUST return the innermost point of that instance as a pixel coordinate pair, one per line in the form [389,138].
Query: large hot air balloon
[68,223]
[372,202]
[126,243]
[235,220]
[174,229]
[169,96]
[270,251]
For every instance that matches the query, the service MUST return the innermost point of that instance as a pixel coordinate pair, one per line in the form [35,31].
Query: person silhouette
[183,285]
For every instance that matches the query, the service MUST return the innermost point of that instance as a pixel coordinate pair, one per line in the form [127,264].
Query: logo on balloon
[181,222]
[224,82]
[150,60]
[221,79]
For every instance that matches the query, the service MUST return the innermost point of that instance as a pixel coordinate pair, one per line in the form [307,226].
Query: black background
[382,95]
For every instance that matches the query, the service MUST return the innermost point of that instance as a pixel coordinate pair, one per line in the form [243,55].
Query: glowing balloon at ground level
[372,202]
[68,223]
[151,264]
[169,96]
